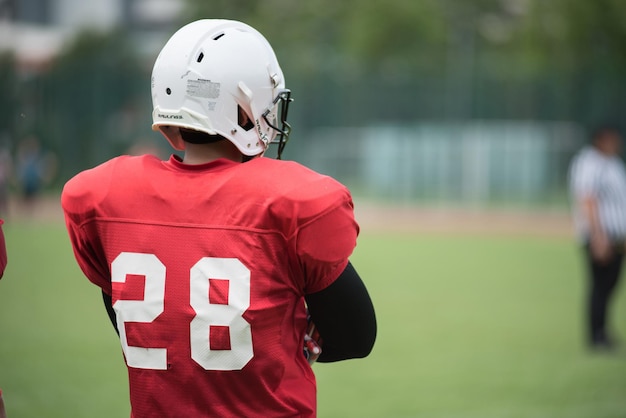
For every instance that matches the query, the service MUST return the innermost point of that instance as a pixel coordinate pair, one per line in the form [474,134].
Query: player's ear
[172,133]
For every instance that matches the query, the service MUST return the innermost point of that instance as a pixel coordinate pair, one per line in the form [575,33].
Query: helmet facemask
[276,118]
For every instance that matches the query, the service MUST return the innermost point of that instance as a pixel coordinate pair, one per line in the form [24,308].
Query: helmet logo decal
[203,88]
[166,116]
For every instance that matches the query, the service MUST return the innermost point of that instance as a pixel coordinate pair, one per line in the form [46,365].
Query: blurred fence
[425,138]
[474,162]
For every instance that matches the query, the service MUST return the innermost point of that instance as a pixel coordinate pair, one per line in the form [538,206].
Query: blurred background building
[36,30]
[480,102]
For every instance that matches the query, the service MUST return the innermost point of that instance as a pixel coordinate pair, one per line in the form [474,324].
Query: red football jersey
[208,266]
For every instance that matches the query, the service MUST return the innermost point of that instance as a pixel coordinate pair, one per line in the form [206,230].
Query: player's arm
[345,318]
[3,413]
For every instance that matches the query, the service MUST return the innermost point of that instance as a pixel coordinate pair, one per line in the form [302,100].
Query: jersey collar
[176,163]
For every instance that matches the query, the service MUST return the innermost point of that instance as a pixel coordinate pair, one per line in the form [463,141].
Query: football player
[211,263]
[3,412]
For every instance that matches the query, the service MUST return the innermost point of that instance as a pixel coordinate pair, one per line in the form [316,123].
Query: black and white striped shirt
[602,177]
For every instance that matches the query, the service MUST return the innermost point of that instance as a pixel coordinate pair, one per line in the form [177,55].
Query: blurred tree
[90,86]
[567,36]
[577,48]
[406,35]
[556,59]
[306,32]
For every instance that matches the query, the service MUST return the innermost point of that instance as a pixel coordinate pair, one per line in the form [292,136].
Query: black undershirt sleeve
[108,304]
[344,316]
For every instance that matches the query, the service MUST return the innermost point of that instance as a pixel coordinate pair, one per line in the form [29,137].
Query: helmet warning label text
[203,88]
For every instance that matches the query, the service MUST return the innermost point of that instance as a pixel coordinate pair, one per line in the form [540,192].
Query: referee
[598,191]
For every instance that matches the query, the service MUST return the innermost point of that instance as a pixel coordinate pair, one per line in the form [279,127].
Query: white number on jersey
[207,314]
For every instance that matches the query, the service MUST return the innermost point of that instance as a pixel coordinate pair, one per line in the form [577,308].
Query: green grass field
[469,327]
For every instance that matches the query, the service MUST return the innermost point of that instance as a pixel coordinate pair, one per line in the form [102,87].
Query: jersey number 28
[207,314]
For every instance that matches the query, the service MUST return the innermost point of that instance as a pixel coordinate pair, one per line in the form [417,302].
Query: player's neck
[205,153]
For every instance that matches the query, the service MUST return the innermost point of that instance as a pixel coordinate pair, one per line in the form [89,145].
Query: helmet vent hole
[200,57]
[218,36]
[168,91]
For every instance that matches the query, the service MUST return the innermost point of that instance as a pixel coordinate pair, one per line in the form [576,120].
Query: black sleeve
[344,316]
[108,304]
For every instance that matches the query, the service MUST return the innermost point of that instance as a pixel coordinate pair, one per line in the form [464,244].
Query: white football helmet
[208,71]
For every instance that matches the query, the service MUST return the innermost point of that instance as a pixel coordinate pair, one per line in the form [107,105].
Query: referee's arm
[598,240]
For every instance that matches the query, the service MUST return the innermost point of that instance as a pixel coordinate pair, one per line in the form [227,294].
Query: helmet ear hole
[243,119]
